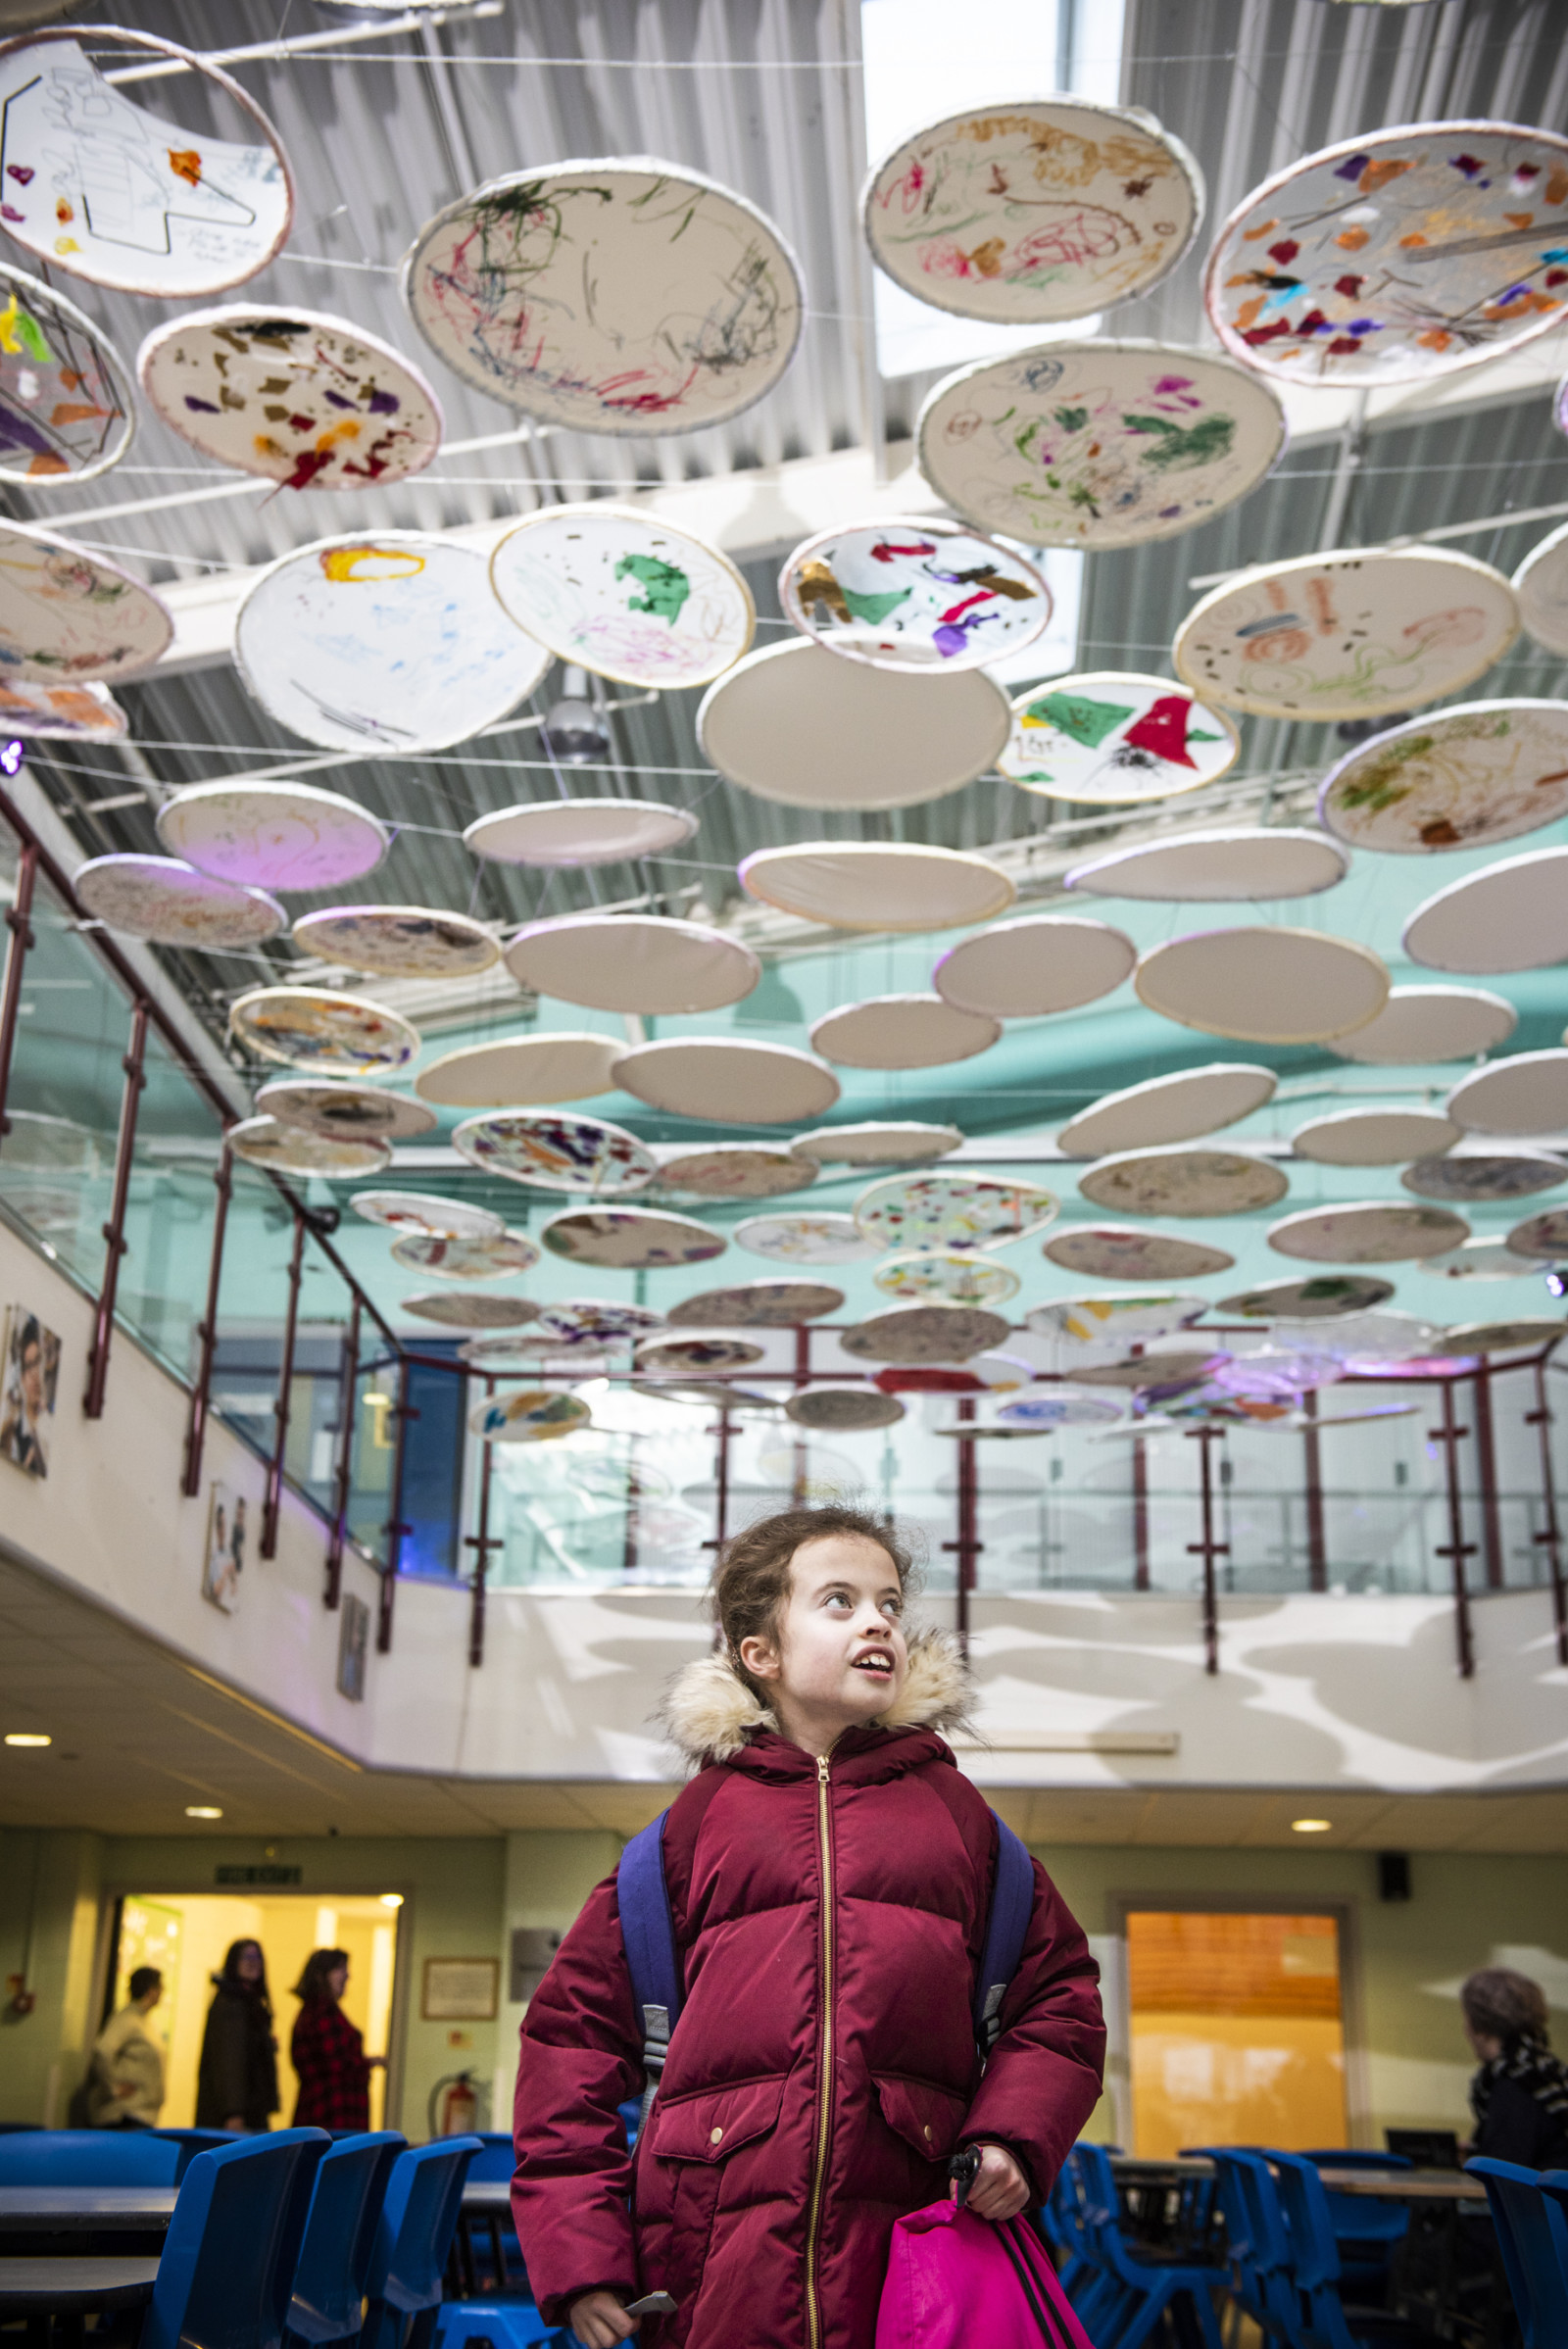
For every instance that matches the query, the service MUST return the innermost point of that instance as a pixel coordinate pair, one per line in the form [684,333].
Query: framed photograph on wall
[30,1380]
[460,1990]
[353,1648]
[223,1561]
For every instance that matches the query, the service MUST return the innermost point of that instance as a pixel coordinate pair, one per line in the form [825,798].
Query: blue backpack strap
[1012,1901]
[648,1932]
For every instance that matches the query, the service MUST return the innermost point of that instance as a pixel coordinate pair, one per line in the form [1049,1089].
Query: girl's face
[840,1656]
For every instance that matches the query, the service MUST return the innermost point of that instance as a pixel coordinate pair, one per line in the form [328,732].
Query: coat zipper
[813,2224]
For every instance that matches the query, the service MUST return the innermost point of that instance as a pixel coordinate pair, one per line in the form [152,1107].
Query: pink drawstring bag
[955,2281]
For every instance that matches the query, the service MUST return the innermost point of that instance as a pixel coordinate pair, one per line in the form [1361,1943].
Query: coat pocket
[711,2123]
[927,2118]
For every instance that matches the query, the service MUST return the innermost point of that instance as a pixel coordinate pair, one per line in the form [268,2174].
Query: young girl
[829,1874]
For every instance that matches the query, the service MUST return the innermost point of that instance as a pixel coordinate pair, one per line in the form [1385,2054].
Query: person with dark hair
[327,2051]
[1520,2094]
[125,2076]
[236,2080]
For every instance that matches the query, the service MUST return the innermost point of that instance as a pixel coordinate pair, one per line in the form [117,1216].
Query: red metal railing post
[18,922]
[133,1064]
[1209,1550]
[1541,1419]
[201,1397]
[968,1546]
[395,1526]
[1317,1548]
[722,1432]
[349,1376]
[481,1544]
[1456,1548]
[1487,1467]
[286,1394]
[1139,1452]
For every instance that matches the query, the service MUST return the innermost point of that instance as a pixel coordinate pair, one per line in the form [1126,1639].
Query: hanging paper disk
[1205,867]
[1376,1232]
[1470,1174]
[759,1305]
[554,1150]
[1264,986]
[1461,779]
[925,1332]
[290,1149]
[336,1035]
[1543,1235]
[632,962]
[112,192]
[1106,1253]
[1394,257]
[1526,1094]
[738,1170]
[67,411]
[61,713]
[951,1211]
[881,1141]
[1479,1260]
[394,643]
[1431,1023]
[1043,1408]
[623,595]
[1184,1182]
[596,1317]
[844,1408]
[805,1239]
[272,835]
[1174,1366]
[869,885]
[301,398]
[1348,635]
[962,1277]
[1177,1108]
[469,1309]
[519,1070]
[1510,916]
[398,941]
[1375,1136]
[529,1415]
[491,1258]
[628,297]
[1111,739]
[1041,209]
[345,1111]
[1023,969]
[68,615]
[1097,444]
[720,1077]
[662,1358]
[165,899]
[1330,1297]
[1540,584]
[913,594]
[1503,1337]
[903,1031]
[422,1211]
[1118,1320]
[576,832]
[631,1238]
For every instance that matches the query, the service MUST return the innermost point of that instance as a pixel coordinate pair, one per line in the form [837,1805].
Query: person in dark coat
[236,2080]
[829,1874]
[326,2050]
[1520,2094]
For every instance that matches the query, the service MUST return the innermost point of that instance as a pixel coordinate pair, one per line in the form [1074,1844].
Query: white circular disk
[67,407]
[1112,1252]
[903,1031]
[529,1415]
[1376,1137]
[1112,739]
[68,615]
[62,712]
[963,1276]
[1526,1094]
[598,1321]
[925,1332]
[272,835]
[1483,1260]
[1504,1337]
[334,1034]
[669,1358]
[737,1170]
[1175,1109]
[391,643]
[913,596]
[1097,444]
[344,1111]
[1176,1366]
[517,1071]
[1327,1296]
[472,1310]
[1472,1173]
[757,1306]
[1045,1407]
[624,594]
[844,1408]
[1540,584]
[290,1149]
[795,726]
[882,1142]
[731,1082]
[1510,916]
[571,833]
[398,941]
[1543,1235]
[632,962]
[1424,1024]
[872,885]
[951,1211]
[1265,985]
[1356,634]
[495,1258]
[1098,1320]
[1378,1232]
[424,1211]
[805,1239]
[1463,778]
[168,901]
[1184,1182]
[556,1149]
[633,1238]
[1024,969]
[1207,867]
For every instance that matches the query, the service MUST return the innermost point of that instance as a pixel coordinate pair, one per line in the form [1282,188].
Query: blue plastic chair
[327,2302]
[87,2157]
[1142,2286]
[496,2159]
[233,2243]
[1257,2243]
[1533,2239]
[419,2219]
[503,2323]
[1366,2232]
[192,2141]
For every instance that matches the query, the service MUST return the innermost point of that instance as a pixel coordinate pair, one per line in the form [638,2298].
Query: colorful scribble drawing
[554,1150]
[65,615]
[1117,738]
[66,408]
[1097,444]
[625,596]
[1399,256]
[609,297]
[1035,211]
[911,595]
[1459,780]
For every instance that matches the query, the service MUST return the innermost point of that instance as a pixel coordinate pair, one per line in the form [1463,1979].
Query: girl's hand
[599,2320]
[1001,2190]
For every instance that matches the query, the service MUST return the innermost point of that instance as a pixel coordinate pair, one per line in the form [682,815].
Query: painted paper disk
[1206,867]
[494,1257]
[1034,209]
[470,1309]
[1111,738]
[951,1211]
[303,399]
[913,594]
[844,1408]
[398,941]
[875,885]
[903,1031]
[424,1211]
[168,901]
[1175,1109]
[1463,778]
[1375,1136]
[1023,969]
[1526,1094]
[1510,916]
[962,1276]
[529,1415]
[598,1318]
[1097,444]
[345,1111]
[393,641]
[1540,584]
[880,1141]
[1328,1296]
[555,1150]
[925,1332]
[1184,1182]
[1502,1337]
[1466,1175]
[738,1170]
[1098,1320]
[1354,634]
[629,297]
[728,1081]
[632,962]
[805,1239]
[1279,1374]
[1108,1252]
[1395,257]
[1374,1232]
[1481,1261]
[67,409]
[272,835]
[290,1149]
[1543,1235]
[62,712]
[576,832]
[1430,1024]
[1177,1366]
[1043,1408]
[670,1356]
[112,192]
[517,1071]
[67,615]
[757,1306]
[1263,984]
[336,1035]
[623,595]
[633,1238]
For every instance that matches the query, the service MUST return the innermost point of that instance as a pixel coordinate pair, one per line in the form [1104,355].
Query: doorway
[1236,2030]
[185,1936]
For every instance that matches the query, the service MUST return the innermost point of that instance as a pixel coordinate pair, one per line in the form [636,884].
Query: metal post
[803,1374]
[629,1545]
[349,1376]
[1317,1548]
[481,1544]
[1209,1550]
[1541,1419]
[721,1483]
[1139,1513]
[18,922]
[969,1545]
[133,1063]
[1486,1466]
[207,1331]
[286,1394]
[1456,1548]
[394,1527]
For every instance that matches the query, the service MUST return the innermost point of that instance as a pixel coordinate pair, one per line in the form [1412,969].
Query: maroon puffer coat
[829,1917]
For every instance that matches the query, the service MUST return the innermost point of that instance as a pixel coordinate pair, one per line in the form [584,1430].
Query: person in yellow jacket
[126,2079]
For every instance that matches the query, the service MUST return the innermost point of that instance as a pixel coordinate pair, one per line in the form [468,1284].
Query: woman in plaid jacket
[327,2051]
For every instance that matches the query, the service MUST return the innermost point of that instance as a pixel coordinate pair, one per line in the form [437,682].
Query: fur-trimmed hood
[710,1711]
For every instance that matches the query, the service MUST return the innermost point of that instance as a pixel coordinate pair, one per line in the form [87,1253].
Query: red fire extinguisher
[459,2106]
